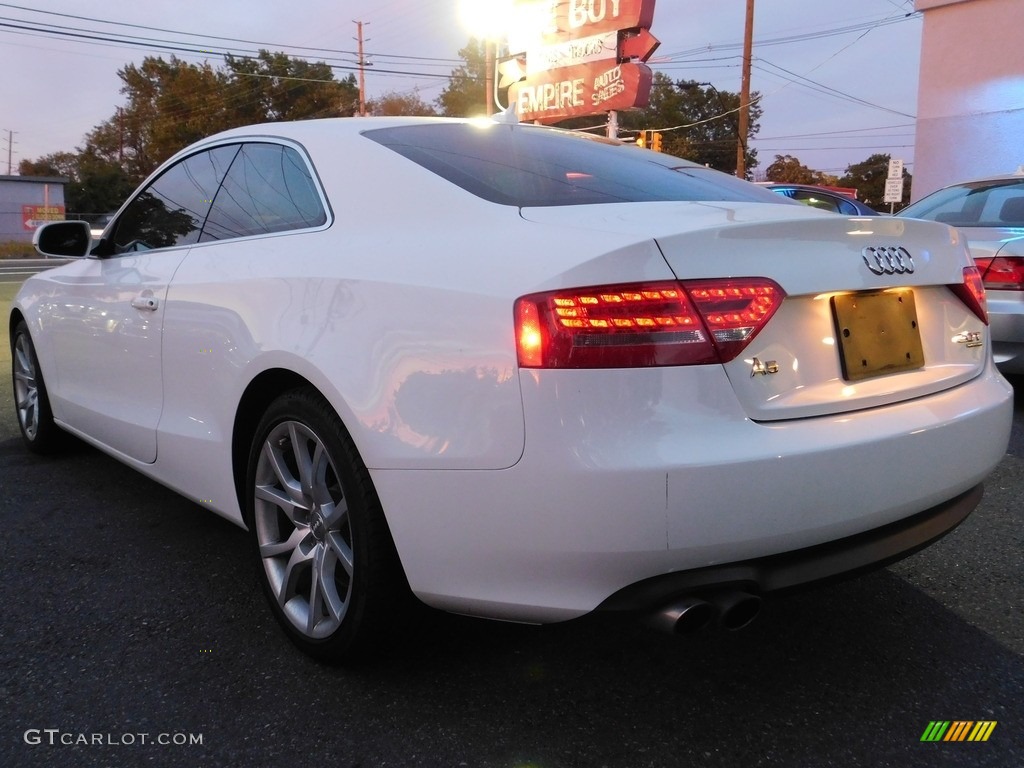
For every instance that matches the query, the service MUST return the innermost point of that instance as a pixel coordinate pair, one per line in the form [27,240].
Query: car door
[106,334]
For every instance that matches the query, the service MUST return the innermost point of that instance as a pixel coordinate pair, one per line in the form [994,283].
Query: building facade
[28,201]
[970,106]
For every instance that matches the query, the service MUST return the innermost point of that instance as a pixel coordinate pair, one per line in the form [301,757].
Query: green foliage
[869,178]
[465,95]
[171,104]
[393,103]
[697,123]
[788,169]
[275,86]
[95,185]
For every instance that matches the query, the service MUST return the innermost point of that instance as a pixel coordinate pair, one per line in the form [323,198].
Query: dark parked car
[821,197]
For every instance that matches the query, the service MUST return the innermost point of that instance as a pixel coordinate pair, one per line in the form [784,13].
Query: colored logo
[958,730]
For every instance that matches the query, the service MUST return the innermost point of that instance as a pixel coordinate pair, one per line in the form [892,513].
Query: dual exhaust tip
[734,610]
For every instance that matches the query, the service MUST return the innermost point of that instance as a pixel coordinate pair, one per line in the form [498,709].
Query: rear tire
[32,405]
[325,556]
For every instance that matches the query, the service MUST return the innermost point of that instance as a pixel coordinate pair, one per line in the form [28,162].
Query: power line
[95,20]
[799,38]
[154,44]
[814,85]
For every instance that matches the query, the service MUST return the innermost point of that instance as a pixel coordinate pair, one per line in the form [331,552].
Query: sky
[838,79]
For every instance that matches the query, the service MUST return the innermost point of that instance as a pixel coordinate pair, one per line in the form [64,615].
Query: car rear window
[974,204]
[528,166]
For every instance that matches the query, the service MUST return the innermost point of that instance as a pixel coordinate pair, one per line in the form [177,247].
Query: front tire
[325,556]
[35,419]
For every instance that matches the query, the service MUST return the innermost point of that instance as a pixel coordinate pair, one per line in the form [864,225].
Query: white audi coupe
[515,372]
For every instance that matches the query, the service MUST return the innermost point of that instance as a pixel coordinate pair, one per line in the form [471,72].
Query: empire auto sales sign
[582,57]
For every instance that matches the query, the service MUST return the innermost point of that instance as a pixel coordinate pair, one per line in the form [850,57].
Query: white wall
[970,112]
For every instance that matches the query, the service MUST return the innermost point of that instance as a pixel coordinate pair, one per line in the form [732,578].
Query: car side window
[268,188]
[172,209]
[816,200]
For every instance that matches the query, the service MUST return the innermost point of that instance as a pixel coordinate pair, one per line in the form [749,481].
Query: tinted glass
[526,166]
[171,210]
[267,189]
[976,204]
[823,201]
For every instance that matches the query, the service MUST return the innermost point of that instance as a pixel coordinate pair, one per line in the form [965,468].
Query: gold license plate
[877,333]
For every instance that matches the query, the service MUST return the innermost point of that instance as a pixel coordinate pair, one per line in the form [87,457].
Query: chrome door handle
[148,303]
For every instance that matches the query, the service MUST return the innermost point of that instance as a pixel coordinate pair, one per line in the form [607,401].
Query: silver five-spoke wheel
[35,419]
[26,391]
[325,555]
[303,529]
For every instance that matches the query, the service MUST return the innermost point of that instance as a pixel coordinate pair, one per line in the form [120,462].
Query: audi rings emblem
[888,260]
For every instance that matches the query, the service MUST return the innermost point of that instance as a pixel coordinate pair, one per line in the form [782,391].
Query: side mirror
[63,239]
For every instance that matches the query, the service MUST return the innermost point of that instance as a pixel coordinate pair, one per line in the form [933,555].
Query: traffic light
[656,141]
[641,140]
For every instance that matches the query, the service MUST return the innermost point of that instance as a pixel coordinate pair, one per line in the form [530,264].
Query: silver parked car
[990,214]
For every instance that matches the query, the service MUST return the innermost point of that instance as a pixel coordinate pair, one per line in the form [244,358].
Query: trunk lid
[869,317]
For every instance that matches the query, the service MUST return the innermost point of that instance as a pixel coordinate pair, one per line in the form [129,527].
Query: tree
[395,103]
[275,86]
[869,178]
[788,169]
[95,185]
[57,164]
[465,94]
[171,104]
[698,123]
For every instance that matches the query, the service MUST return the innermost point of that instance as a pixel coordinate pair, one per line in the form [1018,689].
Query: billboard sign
[583,89]
[582,57]
[34,216]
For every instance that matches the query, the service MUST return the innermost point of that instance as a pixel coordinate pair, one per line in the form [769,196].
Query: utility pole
[362,70]
[10,151]
[744,121]
[489,56]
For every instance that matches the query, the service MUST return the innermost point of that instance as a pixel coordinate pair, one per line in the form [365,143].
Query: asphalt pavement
[133,634]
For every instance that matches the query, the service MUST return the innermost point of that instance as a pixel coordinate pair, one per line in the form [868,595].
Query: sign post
[894,184]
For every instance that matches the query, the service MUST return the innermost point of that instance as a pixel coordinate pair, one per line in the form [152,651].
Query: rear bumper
[803,567]
[657,477]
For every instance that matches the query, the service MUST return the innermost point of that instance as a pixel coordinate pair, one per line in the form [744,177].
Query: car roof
[1017,175]
[332,127]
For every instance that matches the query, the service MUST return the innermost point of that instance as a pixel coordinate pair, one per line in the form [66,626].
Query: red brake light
[972,293]
[1002,273]
[735,310]
[640,325]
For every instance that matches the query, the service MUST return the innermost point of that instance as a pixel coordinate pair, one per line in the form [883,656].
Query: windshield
[526,166]
[975,204]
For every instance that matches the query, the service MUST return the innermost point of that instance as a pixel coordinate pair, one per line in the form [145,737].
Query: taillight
[1002,273]
[644,324]
[972,293]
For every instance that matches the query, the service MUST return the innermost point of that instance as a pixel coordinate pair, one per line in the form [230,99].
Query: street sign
[584,89]
[34,216]
[893,190]
[895,169]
